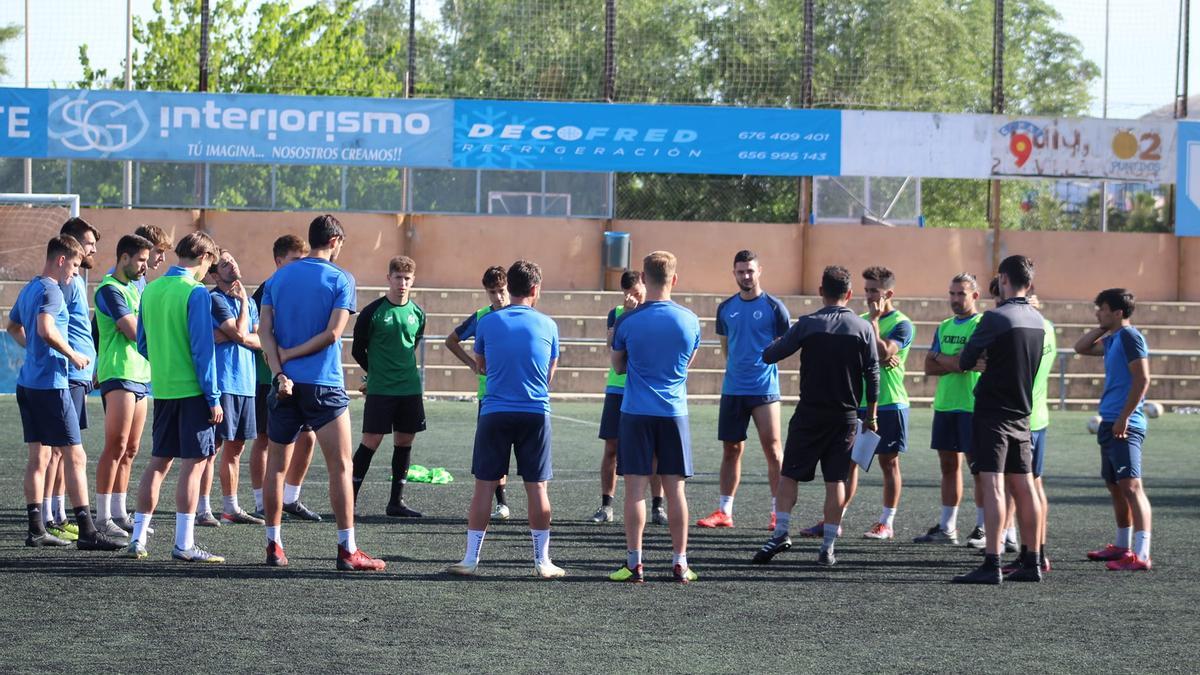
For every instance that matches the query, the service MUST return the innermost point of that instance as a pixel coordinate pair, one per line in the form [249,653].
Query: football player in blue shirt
[38,322]
[517,348]
[305,308]
[654,345]
[747,322]
[1123,427]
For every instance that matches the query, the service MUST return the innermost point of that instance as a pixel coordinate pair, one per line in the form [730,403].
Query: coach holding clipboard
[837,356]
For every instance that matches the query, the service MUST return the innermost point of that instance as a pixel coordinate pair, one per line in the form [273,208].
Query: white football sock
[949,519]
[231,504]
[888,516]
[979,520]
[141,523]
[1124,537]
[633,559]
[204,506]
[680,559]
[184,535]
[117,507]
[258,502]
[1141,544]
[274,535]
[291,493]
[474,545]
[60,508]
[47,510]
[726,505]
[783,520]
[102,505]
[541,545]
[346,540]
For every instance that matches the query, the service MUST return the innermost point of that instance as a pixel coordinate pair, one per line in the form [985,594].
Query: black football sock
[83,518]
[500,496]
[37,526]
[361,463]
[606,500]
[656,502]
[401,455]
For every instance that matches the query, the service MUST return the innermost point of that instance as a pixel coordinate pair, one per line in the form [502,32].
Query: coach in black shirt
[1011,337]
[837,356]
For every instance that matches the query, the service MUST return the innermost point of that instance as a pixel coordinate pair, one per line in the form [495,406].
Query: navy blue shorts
[1037,445]
[1120,458]
[650,445]
[733,417]
[951,431]
[1000,444]
[311,406]
[893,430]
[139,389]
[816,439]
[610,419]
[181,428]
[48,417]
[383,414]
[79,392]
[261,392]
[239,422]
[527,435]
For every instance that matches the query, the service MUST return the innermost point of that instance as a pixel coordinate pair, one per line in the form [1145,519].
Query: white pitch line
[577,421]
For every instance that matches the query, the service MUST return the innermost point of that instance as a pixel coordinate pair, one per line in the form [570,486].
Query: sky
[1141,63]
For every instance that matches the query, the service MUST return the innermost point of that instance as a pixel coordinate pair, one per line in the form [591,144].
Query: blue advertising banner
[523,135]
[1187,182]
[224,128]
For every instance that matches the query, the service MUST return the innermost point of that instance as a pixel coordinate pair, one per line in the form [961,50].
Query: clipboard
[865,442]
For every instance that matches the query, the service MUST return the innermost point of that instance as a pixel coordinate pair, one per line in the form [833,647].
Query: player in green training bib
[123,374]
[953,404]
[894,333]
[495,282]
[385,346]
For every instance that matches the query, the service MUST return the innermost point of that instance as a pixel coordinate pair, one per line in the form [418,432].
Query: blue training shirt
[79,328]
[518,344]
[44,368]
[1120,349]
[749,326]
[658,339]
[236,371]
[303,295]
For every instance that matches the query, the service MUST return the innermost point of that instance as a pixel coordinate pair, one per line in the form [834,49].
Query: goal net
[27,222]
[529,203]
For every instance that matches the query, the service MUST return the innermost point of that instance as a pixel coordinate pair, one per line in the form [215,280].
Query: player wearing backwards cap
[517,347]
[175,334]
[654,345]
[38,322]
[306,306]
[1123,426]
[610,416]
[747,322]
[385,342]
[495,283]
[123,374]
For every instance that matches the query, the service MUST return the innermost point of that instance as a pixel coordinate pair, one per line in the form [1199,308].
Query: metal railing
[1063,356]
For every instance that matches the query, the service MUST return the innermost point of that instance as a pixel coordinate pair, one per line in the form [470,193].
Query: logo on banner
[1020,143]
[104,126]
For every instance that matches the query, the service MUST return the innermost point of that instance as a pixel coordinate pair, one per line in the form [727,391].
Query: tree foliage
[931,55]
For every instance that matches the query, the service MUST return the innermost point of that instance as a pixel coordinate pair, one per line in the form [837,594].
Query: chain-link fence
[1060,58]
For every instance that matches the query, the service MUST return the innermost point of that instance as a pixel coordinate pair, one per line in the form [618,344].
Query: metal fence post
[1062,381]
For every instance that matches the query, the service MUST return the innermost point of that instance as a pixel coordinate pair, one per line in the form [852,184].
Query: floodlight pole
[127,166]
[201,191]
[28,161]
[997,109]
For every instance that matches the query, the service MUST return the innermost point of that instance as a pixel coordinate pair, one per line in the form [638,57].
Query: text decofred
[547,132]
